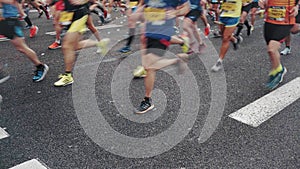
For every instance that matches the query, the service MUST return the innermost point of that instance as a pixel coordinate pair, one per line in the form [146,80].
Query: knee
[272,50]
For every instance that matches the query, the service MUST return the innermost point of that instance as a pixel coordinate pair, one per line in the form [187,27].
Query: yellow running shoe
[186,44]
[64,80]
[139,72]
[102,46]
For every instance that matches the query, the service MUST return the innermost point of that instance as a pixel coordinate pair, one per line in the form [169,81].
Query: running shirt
[195,4]
[71,7]
[231,8]
[277,12]
[158,26]
[9,11]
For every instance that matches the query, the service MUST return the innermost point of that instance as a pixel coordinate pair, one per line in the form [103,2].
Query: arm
[183,9]
[8,1]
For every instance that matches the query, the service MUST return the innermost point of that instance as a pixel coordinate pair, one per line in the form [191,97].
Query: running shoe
[249,30]
[145,106]
[139,72]
[176,28]
[3,38]
[186,44]
[252,28]
[40,73]
[64,80]
[218,66]
[275,80]
[102,46]
[54,46]
[125,49]
[237,43]
[217,34]
[286,51]
[4,75]
[33,31]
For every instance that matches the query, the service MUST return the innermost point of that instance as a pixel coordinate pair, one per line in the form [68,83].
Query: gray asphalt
[43,121]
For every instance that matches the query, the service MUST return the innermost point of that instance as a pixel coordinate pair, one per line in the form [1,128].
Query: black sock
[43,8]
[68,72]
[239,29]
[147,99]
[27,20]
[287,47]
[247,23]
[40,66]
[131,36]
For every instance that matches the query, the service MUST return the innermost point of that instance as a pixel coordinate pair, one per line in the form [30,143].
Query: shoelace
[38,73]
[145,104]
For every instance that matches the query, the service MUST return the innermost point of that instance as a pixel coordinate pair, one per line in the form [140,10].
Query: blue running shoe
[275,80]
[125,49]
[40,73]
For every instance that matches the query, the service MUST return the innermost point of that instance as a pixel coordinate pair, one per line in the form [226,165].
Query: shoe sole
[142,112]
[285,54]
[46,69]
[54,48]
[65,84]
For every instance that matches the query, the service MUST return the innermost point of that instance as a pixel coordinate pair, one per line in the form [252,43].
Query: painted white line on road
[3,133]
[109,26]
[31,164]
[264,108]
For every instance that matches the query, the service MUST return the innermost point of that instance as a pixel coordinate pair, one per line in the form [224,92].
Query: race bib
[156,16]
[66,17]
[229,6]
[132,4]
[247,1]
[277,13]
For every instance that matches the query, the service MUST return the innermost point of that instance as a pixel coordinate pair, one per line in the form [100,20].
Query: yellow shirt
[231,8]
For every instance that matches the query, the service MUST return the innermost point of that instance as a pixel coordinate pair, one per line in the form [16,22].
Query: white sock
[57,41]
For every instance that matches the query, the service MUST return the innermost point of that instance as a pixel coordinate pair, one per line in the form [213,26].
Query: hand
[294,11]
[78,2]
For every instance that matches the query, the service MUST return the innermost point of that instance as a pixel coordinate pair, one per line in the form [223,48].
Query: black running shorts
[276,32]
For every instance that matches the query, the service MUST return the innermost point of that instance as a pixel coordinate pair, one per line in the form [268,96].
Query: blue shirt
[9,10]
[195,4]
[161,29]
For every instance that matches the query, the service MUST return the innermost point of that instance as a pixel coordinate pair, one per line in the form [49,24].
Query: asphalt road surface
[91,124]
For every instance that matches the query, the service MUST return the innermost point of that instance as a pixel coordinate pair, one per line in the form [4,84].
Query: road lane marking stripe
[259,111]
[3,133]
[31,164]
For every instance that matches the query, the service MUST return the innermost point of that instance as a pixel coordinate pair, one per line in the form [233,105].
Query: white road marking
[269,105]
[3,133]
[109,26]
[31,164]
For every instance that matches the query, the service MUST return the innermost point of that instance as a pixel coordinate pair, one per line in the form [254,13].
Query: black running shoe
[249,30]
[40,14]
[237,43]
[145,106]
